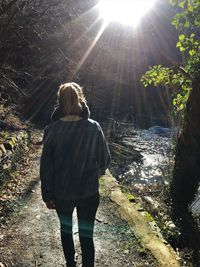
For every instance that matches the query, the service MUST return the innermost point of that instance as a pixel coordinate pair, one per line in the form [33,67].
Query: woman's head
[79,91]
[70,96]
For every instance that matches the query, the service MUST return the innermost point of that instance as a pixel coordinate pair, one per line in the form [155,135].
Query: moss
[148,216]
[142,251]
[130,197]
[8,168]
[102,187]
[4,134]
[12,141]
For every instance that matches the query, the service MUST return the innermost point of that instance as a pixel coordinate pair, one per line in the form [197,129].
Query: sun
[127,12]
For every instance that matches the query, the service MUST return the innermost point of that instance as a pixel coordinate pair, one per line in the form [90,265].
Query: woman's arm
[103,152]
[47,169]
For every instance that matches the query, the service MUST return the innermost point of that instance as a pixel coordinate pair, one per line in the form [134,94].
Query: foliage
[180,78]
[42,30]
[170,78]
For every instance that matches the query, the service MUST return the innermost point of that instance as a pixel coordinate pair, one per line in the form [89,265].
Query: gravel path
[32,238]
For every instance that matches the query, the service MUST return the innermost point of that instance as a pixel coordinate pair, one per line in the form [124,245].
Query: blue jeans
[86,212]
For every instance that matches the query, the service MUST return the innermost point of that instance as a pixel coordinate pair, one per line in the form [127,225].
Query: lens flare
[127,12]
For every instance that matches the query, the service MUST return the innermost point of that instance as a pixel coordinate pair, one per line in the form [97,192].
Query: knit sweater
[75,154]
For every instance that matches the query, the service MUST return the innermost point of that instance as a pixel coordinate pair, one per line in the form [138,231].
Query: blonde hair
[70,96]
[79,91]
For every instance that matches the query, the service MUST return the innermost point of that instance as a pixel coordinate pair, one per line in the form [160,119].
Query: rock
[126,251]
[151,201]
[167,132]
[121,152]
[170,225]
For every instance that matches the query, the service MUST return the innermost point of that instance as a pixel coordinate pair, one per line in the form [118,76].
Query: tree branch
[183,72]
[5,8]
[12,84]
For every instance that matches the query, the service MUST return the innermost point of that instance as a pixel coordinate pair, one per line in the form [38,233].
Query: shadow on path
[32,238]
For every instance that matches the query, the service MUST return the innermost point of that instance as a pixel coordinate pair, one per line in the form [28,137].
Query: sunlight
[127,12]
[87,53]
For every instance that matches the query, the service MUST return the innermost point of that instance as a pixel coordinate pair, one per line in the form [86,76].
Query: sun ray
[89,50]
[88,28]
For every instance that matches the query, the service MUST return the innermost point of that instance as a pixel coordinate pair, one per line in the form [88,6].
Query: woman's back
[76,151]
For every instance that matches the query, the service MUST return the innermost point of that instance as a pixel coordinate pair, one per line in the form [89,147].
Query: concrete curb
[149,238]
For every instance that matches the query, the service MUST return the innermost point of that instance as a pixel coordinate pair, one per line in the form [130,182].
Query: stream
[154,169]
[155,147]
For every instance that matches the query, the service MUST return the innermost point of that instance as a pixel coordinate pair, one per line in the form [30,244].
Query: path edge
[163,253]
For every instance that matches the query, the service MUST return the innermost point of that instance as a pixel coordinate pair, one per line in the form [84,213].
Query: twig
[13,84]
[186,74]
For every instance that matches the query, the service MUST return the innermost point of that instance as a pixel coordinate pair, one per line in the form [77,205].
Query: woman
[74,155]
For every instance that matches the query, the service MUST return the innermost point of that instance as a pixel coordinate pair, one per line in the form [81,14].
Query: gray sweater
[74,155]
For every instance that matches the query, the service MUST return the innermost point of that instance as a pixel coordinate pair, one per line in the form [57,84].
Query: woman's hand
[50,205]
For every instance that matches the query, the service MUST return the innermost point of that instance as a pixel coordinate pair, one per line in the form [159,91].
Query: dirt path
[32,238]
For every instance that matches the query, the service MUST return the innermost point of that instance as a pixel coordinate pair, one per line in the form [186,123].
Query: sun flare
[127,12]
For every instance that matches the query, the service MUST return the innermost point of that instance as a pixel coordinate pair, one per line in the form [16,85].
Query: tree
[184,79]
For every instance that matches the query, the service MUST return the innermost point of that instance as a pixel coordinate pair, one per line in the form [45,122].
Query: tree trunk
[186,174]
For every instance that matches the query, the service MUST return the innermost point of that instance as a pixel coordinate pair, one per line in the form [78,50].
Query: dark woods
[47,42]
[44,43]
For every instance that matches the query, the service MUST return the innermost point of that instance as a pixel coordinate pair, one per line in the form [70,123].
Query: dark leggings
[86,212]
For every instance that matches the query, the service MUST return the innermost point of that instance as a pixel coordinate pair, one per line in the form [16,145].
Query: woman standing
[74,156]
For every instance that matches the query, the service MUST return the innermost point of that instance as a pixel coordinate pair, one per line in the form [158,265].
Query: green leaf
[190,8]
[181,107]
[187,24]
[182,49]
[181,4]
[192,52]
[181,37]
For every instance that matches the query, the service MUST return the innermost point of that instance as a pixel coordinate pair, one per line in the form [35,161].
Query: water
[157,158]
[156,166]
